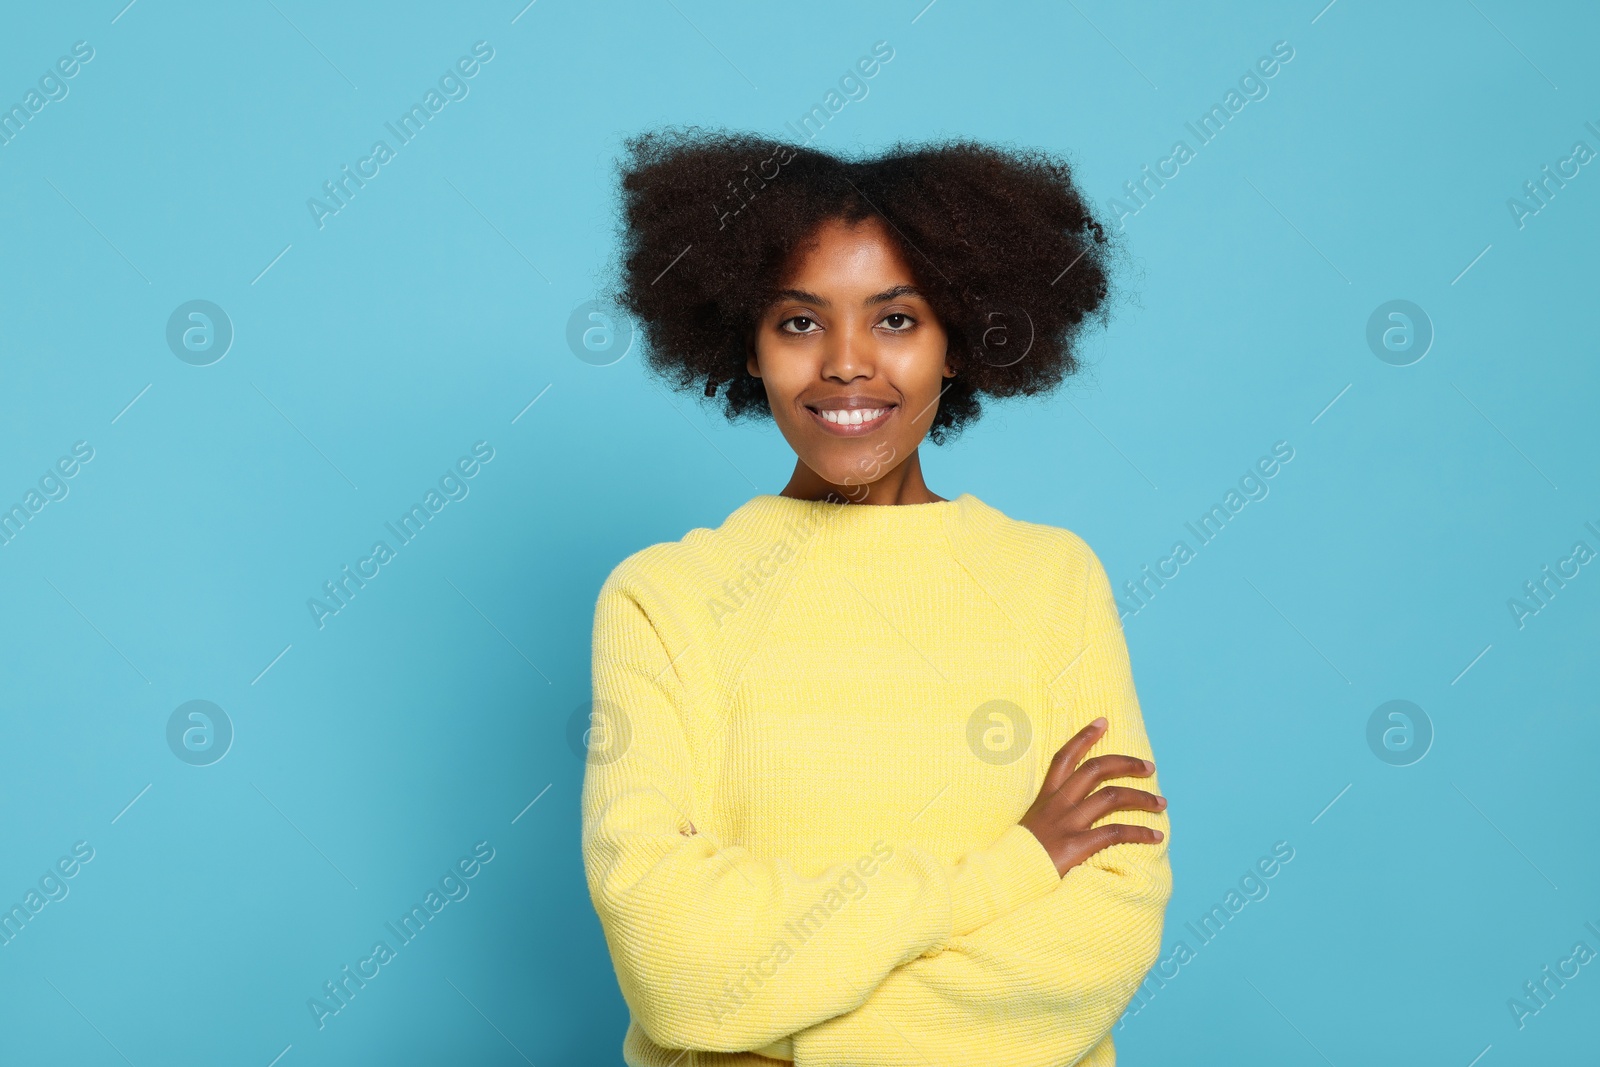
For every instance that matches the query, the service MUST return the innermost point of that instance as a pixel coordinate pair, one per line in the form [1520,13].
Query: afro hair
[1002,244]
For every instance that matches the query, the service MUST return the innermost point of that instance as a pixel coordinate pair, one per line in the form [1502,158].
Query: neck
[899,485]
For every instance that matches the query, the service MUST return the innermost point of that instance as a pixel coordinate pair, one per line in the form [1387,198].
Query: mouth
[852,422]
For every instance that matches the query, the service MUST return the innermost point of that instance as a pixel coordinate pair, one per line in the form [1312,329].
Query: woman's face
[852,358]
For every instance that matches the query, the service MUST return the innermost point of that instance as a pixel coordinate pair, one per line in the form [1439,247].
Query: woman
[865,781]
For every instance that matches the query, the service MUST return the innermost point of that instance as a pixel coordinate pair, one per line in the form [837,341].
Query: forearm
[717,950]
[1038,987]
[1043,984]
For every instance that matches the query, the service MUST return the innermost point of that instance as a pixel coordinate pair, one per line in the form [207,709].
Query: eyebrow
[876,298]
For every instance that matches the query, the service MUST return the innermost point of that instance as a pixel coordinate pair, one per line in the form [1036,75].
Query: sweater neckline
[889,519]
[776,500]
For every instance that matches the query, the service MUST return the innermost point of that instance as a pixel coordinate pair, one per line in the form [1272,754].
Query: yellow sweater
[815,728]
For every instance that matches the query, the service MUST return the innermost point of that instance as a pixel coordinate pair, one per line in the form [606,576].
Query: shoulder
[662,574]
[655,571]
[1047,557]
[1048,577]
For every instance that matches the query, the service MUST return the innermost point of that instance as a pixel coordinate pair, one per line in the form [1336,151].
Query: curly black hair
[1003,245]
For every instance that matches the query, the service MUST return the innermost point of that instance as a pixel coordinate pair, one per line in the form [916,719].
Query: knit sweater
[815,729]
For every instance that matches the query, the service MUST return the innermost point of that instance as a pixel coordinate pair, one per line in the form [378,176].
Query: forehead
[846,256]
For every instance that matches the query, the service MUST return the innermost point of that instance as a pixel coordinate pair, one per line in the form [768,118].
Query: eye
[802,319]
[907,320]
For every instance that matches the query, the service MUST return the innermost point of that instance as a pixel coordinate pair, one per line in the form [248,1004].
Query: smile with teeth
[853,416]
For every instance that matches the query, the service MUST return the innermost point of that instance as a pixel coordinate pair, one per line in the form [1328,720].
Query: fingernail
[1159,835]
[1101,721]
[1149,766]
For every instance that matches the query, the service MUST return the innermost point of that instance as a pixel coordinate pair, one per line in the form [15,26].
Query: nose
[849,354]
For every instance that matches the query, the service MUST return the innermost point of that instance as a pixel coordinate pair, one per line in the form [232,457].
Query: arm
[703,936]
[1043,984]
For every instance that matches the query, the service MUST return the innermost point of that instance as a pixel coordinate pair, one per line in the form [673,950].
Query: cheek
[784,375]
[918,371]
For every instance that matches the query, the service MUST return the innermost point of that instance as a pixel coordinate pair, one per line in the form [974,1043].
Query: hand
[1063,815]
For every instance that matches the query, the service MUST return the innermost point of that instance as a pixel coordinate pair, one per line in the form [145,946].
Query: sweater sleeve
[719,949]
[1043,984]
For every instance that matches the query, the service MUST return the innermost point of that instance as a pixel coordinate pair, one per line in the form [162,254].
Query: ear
[949,371]
[751,366]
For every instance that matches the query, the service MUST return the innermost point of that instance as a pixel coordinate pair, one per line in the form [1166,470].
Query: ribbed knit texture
[800,805]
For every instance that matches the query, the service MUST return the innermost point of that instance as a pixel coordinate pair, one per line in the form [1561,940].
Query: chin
[861,468]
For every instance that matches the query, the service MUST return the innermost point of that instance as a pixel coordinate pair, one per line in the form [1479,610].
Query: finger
[1067,756]
[1120,833]
[1094,771]
[1102,802]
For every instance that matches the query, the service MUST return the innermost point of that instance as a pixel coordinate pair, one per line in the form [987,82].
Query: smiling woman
[880,804]
[842,360]
[986,236]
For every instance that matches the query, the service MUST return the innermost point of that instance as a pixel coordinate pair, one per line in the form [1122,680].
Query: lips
[852,416]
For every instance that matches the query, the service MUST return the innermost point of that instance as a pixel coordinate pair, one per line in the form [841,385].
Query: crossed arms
[993,958]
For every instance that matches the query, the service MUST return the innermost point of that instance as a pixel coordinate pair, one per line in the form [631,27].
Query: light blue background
[428,714]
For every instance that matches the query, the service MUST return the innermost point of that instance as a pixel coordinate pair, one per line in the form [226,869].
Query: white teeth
[853,416]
